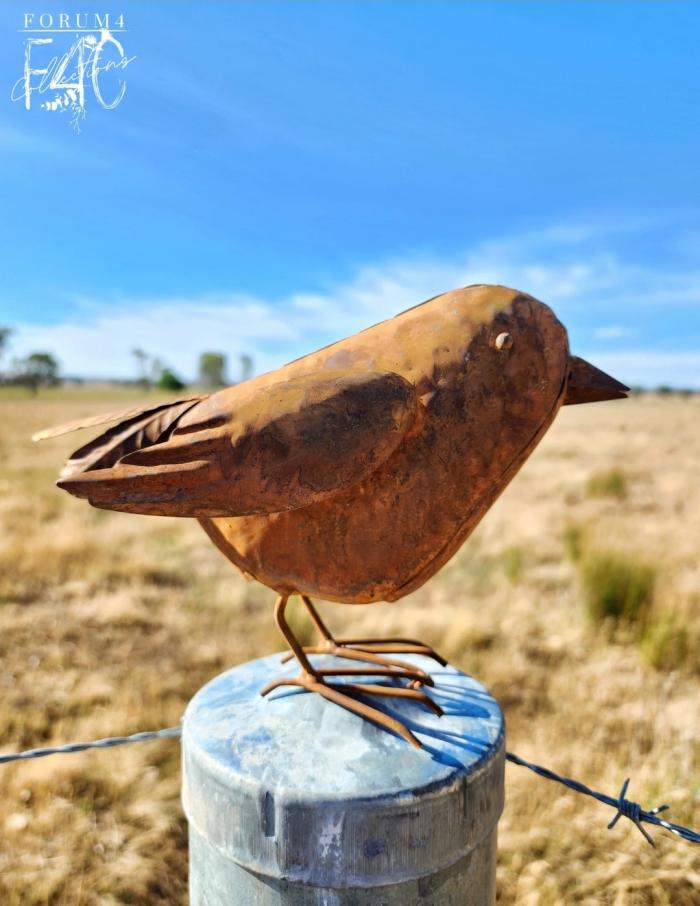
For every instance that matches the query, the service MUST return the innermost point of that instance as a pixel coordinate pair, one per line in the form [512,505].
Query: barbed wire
[107,743]
[625,808]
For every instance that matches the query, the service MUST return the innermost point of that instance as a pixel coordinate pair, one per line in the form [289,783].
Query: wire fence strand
[107,743]
[625,808]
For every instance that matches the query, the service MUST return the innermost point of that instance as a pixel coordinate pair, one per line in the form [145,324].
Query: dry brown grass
[109,623]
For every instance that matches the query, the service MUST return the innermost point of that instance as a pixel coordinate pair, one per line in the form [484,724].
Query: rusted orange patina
[355,472]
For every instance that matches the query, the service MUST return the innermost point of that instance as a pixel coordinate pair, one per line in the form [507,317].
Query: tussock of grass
[513,564]
[611,483]
[573,541]
[618,590]
[665,643]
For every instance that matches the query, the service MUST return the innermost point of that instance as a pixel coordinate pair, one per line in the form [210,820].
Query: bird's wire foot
[370,651]
[314,679]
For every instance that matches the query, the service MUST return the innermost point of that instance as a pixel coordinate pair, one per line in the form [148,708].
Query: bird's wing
[137,430]
[267,450]
[120,415]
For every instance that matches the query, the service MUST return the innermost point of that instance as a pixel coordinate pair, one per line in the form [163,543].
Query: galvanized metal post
[293,800]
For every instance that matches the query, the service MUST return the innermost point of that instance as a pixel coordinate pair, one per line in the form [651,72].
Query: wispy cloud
[612,333]
[569,267]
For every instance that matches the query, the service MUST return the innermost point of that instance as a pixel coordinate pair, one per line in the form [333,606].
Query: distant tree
[169,381]
[4,337]
[142,365]
[246,367]
[212,369]
[39,369]
[156,369]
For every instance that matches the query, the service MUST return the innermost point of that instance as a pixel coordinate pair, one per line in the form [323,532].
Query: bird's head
[517,350]
[511,370]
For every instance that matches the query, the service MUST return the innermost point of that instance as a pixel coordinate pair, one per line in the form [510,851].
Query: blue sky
[279,175]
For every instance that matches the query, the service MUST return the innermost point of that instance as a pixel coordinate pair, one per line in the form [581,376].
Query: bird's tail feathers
[105,417]
[136,429]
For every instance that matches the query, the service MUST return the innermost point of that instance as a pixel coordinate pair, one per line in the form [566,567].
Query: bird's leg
[286,630]
[368,650]
[385,667]
[314,679]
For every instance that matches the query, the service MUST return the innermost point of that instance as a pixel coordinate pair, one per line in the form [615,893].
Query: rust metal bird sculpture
[354,473]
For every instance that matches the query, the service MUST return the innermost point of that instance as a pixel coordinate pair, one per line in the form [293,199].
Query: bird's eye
[503,341]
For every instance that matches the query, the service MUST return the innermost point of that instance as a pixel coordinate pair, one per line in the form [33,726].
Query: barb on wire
[625,807]
[107,743]
[633,811]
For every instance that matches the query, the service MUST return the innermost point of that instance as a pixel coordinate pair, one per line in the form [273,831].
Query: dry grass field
[577,601]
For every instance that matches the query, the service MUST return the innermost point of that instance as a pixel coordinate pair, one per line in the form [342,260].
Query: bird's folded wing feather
[266,450]
[136,432]
[105,418]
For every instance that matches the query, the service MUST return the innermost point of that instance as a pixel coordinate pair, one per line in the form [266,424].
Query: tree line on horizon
[212,371]
[42,369]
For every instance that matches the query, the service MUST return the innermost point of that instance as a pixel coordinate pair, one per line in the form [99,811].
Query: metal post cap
[294,787]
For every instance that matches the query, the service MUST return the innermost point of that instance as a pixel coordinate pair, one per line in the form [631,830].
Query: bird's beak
[587,384]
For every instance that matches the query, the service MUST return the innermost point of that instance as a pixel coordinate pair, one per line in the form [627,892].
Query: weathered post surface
[293,800]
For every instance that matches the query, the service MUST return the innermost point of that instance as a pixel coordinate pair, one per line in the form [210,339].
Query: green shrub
[170,381]
[513,564]
[573,541]
[612,483]
[664,644]
[618,590]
